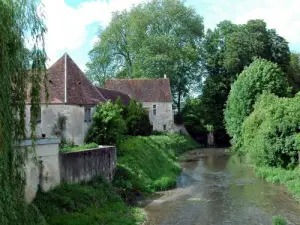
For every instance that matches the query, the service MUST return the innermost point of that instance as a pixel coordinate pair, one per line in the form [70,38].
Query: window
[87,115]
[165,127]
[154,110]
[39,116]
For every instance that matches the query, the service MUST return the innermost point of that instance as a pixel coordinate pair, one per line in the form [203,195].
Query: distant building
[70,94]
[154,94]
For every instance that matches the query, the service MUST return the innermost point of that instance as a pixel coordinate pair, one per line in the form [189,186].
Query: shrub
[137,120]
[269,134]
[260,76]
[107,125]
[278,220]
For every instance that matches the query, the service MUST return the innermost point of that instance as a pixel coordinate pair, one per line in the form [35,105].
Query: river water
[215,189]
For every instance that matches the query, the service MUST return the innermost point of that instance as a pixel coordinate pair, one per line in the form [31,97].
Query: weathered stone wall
[76,127]
[42,167]
[164,115]
[83,165]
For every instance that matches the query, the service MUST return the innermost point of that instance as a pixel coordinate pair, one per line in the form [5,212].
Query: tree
[228,49]
[137,120]
[108,124]
[294,72]
[21,69]
[270,134]
[260,76]
[152,39]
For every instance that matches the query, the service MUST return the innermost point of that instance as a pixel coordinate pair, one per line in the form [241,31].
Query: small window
[165,127]
[39,116]
[154,110]
[87,115]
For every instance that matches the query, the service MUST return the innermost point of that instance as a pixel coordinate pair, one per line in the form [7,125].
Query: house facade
[73,96]
[154,94]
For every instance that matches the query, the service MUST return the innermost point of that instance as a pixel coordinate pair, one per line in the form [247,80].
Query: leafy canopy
[227,50]
[107,125]
[21,69]
[260,76]
[152,39]
[269,134]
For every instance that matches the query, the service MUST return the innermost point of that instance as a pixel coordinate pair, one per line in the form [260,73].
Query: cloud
[67,26]
[282,15]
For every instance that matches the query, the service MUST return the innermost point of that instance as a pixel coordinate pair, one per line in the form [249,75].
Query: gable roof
[114,95]
[143,90]
[67,84]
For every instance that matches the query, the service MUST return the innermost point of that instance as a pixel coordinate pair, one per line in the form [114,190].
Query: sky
[73,24]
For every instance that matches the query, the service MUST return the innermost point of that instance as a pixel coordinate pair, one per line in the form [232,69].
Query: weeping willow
[22,72]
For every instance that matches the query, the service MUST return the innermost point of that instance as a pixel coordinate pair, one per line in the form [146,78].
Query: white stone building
[154,94]
[70,94]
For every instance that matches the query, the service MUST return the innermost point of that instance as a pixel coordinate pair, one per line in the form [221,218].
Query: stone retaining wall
[83,165]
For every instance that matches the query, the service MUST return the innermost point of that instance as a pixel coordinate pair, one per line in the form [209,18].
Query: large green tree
[260,76]
[152,39]
[20,70]
[228,49]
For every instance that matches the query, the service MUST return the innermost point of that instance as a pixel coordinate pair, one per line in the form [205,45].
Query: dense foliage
[228,49]
[21,70]
[152,39]
[95,202]
[269,133]
[260,76]
[108,124]
[137,119]
[147,164]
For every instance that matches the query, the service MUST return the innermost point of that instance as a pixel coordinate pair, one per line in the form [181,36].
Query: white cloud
[282,15]
[67,26]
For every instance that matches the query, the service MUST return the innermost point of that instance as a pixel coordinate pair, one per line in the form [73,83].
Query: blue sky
[73,24]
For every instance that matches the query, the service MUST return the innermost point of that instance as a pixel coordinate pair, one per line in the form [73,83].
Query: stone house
[70,94]
[154,94]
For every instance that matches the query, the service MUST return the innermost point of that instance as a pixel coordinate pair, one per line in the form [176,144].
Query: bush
[108,124]
[137,120]
[278,220]
[260,76]
[94,202]
[269,134]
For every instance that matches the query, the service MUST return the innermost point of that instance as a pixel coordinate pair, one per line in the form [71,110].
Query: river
[215,189]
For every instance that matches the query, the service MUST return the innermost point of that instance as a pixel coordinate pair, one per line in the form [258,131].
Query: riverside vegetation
[145,165]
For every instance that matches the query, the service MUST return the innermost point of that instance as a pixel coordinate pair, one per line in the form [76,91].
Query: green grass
[95,202]
[148,164]
[289,178]
[79,148]
[145,164]
[278,220]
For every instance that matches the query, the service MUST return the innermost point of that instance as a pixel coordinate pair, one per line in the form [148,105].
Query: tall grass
[289,178]
[148,164]
[95,202]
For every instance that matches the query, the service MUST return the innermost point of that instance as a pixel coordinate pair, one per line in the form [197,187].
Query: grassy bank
[148,164]
[145,164]
[289,178]
[95,202]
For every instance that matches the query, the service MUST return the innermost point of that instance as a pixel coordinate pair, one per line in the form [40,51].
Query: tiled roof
[143,90]
[79,90]
[113,95]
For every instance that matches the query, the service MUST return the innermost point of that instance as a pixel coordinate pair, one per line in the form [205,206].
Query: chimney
[165,76]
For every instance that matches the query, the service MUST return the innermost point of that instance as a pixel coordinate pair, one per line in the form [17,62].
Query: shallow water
[215,189]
